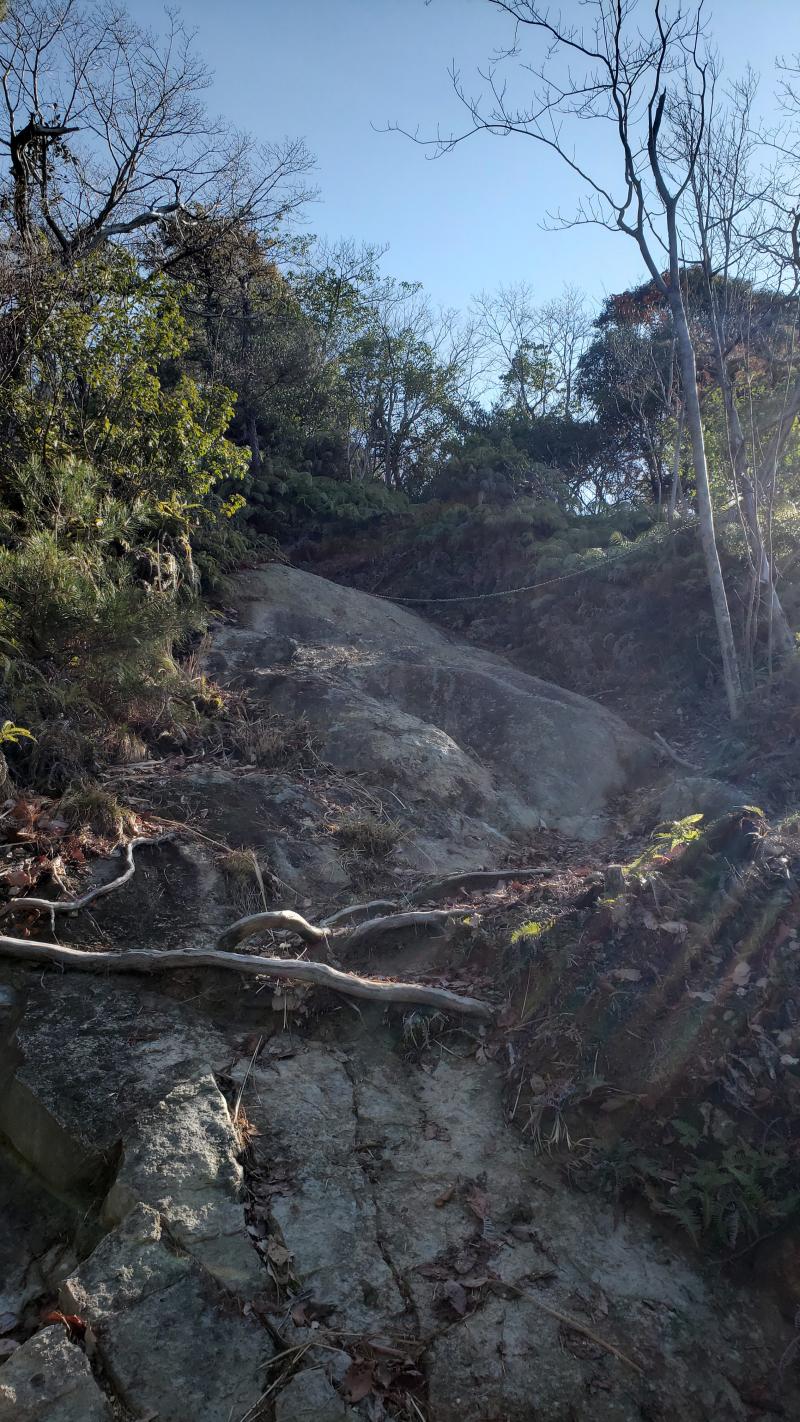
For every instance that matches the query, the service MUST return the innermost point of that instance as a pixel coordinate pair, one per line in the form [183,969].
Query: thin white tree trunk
[676,466]
[719,599]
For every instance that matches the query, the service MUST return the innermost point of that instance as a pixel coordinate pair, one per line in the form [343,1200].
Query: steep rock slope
[441,725]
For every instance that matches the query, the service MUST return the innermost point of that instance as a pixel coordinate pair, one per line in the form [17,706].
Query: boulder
[442,726]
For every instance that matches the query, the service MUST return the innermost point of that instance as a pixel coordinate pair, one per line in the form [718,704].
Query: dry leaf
[478,1202]
[358,1381]
[445,1197]
[278,1253]
[456,1296]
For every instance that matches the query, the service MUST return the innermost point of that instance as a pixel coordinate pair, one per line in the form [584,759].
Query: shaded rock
[129,1264]
[422,1168]
[695,795]
[49,1379]
[180,1355]
[87,1057]
[35,1236]
[326,1216]
[166,1338]
[310,1397]
[180,1158]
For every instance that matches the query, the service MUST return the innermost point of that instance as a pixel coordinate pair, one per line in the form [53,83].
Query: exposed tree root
[375,927]
[54,906]
[285,919]
[295,969]
[477,879]
[356,911]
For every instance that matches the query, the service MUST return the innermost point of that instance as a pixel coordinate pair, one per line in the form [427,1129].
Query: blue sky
[335,70]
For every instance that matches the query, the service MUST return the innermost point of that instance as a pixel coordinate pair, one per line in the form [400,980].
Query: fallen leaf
[433,1271]
[478,1202]
[456,1296]
[358,1381]
[741,974]
[18,878]
[445,1197]
[278,1253]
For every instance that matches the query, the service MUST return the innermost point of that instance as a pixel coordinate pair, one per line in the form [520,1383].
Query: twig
[279,919]
[673,755]
[295,969]
[54,906]
[440,888]
[578,1327]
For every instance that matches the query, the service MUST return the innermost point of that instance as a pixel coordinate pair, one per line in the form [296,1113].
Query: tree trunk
[252,439]
[676,466]
[730,661]
[780,631]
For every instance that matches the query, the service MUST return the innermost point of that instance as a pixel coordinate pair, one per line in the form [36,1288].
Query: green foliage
[286,501]
[102,381]
[726,1199]
[679,832]
[11,735]
[532,929]
[734,1199]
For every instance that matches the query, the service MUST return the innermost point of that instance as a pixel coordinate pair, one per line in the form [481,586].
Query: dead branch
[294,969]
[357,911]
[577,1327]
[54,906]
[673,754]
[482,878]
[285,919]
[375,927]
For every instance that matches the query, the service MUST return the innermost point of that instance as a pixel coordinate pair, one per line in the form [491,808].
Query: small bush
[273,743]
[244,881]
[367,835]
[90,807]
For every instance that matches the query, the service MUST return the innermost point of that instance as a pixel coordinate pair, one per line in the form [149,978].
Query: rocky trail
[235,1199]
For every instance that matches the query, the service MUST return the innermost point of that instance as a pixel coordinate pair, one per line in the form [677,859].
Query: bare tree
[107,133]
[744,321]
[565,327]
[532,351]
[613,74]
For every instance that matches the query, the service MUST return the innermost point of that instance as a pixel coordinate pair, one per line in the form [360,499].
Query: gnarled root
[281,919]
[295,969]
[352,913]
[55,906]
[392,922]
[474,879]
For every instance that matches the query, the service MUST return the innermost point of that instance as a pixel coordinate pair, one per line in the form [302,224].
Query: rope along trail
[548,582]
